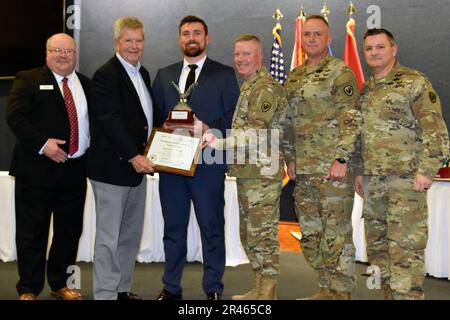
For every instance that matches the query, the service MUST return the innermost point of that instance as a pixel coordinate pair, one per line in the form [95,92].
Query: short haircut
[317,17]
[250,37]
[127,22]
[247,37]
[376,31]
[192,19]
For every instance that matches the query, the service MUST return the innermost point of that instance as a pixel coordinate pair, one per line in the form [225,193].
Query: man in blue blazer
[213,101]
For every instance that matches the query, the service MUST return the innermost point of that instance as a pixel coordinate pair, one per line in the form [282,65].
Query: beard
[193,52]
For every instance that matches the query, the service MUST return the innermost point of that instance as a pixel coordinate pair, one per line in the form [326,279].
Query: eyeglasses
[60,51]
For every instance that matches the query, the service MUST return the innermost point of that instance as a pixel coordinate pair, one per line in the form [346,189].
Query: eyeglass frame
[61,51]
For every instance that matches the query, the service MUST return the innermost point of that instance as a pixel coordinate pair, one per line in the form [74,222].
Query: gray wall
[421,30]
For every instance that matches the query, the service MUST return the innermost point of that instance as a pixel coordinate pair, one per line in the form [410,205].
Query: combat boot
[387,292]
[268,289]
[336,295]
[323,294]
[253,293]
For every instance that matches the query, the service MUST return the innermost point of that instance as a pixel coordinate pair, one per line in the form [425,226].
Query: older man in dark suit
[213,101]
[47,110]
[123,119]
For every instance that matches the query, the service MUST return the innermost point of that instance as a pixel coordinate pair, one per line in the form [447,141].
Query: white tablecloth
[437,252]
[151,248]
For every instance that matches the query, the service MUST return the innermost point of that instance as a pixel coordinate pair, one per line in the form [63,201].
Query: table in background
[437,252]
[151,248]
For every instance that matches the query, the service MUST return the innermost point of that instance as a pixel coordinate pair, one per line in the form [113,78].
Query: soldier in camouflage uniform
[262,105]
[403,142]
[322,93]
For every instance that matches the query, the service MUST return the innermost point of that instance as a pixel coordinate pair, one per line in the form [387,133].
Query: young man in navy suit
[213,101]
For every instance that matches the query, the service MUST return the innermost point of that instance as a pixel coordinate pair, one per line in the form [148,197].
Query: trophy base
[184,117]
[180,119]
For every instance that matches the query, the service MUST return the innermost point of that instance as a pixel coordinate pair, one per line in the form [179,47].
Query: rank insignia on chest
[433,97]
[348,90]
[266,106]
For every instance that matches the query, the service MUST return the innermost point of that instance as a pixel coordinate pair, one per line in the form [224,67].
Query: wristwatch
[341,160]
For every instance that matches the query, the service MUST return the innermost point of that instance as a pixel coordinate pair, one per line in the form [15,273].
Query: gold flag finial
[278,15]
[351,9]
[325,11]
[301,13]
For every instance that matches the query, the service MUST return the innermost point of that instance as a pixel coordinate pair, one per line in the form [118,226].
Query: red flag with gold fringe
[351,56]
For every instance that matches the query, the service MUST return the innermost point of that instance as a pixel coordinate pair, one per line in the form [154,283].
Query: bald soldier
[260,111]
[404,141]
[322,93]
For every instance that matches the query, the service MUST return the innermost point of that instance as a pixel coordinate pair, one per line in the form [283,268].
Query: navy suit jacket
[213,100]
[35,115]
[120,128]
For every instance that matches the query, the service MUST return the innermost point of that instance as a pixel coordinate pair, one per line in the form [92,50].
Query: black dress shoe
[213,296]
[128,296]
[166,295]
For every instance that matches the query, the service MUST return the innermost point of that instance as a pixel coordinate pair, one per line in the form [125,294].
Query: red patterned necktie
[73,119]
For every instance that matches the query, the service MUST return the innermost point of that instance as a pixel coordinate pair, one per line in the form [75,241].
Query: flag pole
[277,16]
[351,9]
[325,13]
[301,13]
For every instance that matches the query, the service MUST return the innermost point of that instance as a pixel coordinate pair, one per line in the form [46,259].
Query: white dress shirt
[82,112]
[185,72]
[141,89]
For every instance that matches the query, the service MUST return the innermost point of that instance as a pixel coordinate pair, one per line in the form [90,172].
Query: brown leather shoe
[67,294]
[27,296]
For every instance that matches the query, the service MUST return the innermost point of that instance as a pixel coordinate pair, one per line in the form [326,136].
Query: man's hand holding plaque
[142,164]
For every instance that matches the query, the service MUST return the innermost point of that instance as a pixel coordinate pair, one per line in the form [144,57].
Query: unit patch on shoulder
[348,90]
[266,106]
[433,97]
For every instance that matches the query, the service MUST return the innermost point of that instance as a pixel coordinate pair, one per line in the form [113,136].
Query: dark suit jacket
[119,130]
[35,115]
[213,99]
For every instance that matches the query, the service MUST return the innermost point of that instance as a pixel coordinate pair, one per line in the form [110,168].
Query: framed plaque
[173,152]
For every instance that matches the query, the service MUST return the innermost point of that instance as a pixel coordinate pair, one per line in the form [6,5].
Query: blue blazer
[213,99]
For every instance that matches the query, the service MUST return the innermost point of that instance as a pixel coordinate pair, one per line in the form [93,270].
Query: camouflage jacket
[323,99]
[402,130]
[259,122]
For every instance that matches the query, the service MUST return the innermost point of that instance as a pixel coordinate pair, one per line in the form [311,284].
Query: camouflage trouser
[395,220]
[259,212]
[324,210]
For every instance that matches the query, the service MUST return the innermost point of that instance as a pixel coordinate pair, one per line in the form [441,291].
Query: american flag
[277,69]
